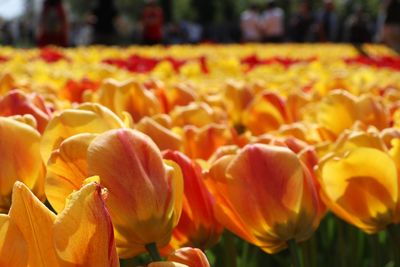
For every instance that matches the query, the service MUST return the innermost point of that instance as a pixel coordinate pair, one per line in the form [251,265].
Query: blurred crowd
[266,23]
[259,22]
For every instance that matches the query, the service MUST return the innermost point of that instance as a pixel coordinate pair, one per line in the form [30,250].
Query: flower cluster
[108,153]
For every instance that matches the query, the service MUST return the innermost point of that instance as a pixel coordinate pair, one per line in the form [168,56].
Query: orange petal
[20,160]
[13,247]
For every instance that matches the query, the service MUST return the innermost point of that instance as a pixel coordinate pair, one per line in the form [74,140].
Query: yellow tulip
[87,118]
[360,186]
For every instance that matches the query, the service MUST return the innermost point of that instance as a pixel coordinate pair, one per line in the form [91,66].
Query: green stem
[294,253]
[153,251]
[395,240]
[375,249]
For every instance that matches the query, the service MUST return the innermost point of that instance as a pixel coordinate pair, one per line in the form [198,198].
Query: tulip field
[211,155]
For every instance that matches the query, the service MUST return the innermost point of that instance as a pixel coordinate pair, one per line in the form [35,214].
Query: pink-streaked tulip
[87,118]
[18,103]
[184,257]
[81,235]
[197,225]
[192,257]
[265,195]
[20,160]
[145,192]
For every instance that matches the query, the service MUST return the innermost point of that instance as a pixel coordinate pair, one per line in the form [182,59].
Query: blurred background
[28,23]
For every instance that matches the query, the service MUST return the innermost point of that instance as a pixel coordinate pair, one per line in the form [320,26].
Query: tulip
[195,114]
[203,142]
[128,96]
[81,235]
[265,195]
[145,198]
[266,112]
[20,160]
[184,257]
[87,118]
[161,135]
[360,186]
[340,110]
[18,103]
[197,225]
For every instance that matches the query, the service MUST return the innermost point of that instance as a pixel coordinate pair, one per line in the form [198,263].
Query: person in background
[103,18]
[249,24]
[272,23]
[53,24]
[327,23]
[357,27]
[301,23]
[391,25]
[152,23]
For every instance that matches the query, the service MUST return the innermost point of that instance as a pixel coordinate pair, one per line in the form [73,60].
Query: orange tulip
[81,235]
[18,103]
[265,195]
[266,112]
[162,136]
[20,160]
[197,226]
[145,198]
[203,142]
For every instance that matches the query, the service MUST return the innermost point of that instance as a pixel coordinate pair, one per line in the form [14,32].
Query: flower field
[210,155]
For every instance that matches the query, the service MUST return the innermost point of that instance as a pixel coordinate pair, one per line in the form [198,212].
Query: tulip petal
[87,118]
[13,247]
[20,159]
[83,232]
[35,222]
[361,187]
[67,169]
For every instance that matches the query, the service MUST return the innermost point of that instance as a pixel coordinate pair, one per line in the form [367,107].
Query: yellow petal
[67,169]
[83,232]
[87,118]
[35,222]
[361,187]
